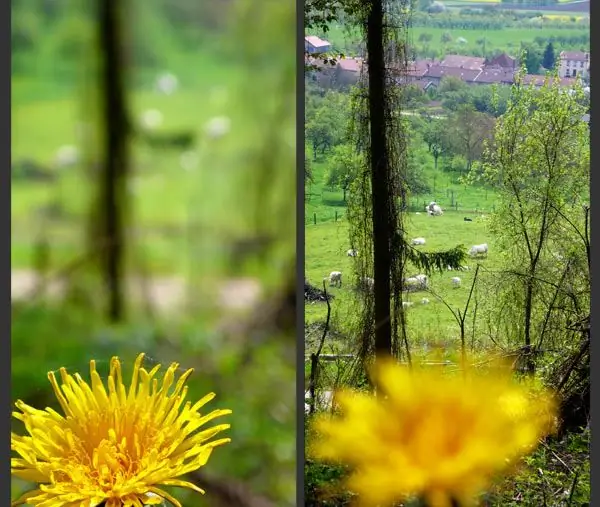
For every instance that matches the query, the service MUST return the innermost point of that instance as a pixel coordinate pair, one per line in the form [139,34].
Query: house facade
[574,64]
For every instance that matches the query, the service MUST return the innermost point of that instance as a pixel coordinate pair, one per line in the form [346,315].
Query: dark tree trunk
[115,150]
[379,180]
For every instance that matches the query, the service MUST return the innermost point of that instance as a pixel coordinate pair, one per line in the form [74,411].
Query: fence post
[336,215]
[315,218]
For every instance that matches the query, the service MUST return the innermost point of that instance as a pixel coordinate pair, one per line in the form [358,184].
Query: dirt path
[166,294]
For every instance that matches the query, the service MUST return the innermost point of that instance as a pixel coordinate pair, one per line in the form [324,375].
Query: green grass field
[507,39]
[165,195]
[326,246]
[327,243]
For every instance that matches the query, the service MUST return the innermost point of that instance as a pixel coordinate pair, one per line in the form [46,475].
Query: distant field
[165,195]
[508,39]
[577,6]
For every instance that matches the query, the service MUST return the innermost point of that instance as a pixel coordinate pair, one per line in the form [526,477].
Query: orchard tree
[470,129]
[343,167]
[327,127]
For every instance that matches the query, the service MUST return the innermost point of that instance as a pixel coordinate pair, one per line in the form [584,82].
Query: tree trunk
[115,151]
[379,180]
[530,365]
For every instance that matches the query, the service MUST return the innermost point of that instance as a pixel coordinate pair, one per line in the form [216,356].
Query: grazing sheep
[464,268]
[418,241]
[433,209]
[352,253]
[335,278]
[66,156]
[217,127]
[418,213]
[407,304]
[151,119]
[324,401]
[424,301]
[455,281]
[167,83]
[415,283]
[479,250]
[449,267]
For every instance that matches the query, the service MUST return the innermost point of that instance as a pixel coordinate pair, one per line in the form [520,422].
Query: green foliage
[557,473]
[327,123]
[549,58]
[532,60]
[345,163]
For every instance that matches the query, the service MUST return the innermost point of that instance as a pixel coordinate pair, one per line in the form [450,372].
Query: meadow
[164,193]
[507,39]
[326,244]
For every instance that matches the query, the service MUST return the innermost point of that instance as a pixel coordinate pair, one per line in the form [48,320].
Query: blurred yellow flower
[434,435]
[115,447]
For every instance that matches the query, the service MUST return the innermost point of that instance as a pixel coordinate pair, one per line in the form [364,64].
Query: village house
[428,73]
[573,64]
[314,44]
[347,72]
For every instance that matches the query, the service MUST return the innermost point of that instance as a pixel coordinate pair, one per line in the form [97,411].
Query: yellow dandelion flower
[114,447]
[437,436]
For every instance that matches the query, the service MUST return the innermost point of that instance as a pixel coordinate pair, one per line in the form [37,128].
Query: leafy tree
[531,60]
[451,84]
[549,58]
[327,127]
[470,129]
[539,162]
[446,37]
[343,167]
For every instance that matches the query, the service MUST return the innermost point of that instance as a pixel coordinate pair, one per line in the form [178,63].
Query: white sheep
[66,156]
[433,209]
[417,213]
[455,281]
[424,301]
[151,119]
[352,253]
[324,401]
[217,127]
[407,304]
[479,250]
[167,83]
[335,278]
[418,241]
[418,282]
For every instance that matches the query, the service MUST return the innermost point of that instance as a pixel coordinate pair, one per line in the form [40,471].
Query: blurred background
[153,210]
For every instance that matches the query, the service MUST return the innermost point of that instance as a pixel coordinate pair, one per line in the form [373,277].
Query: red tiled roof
[578,56]
[495,75]
[350,64]
[463,62]
[504,61]
[439,71]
